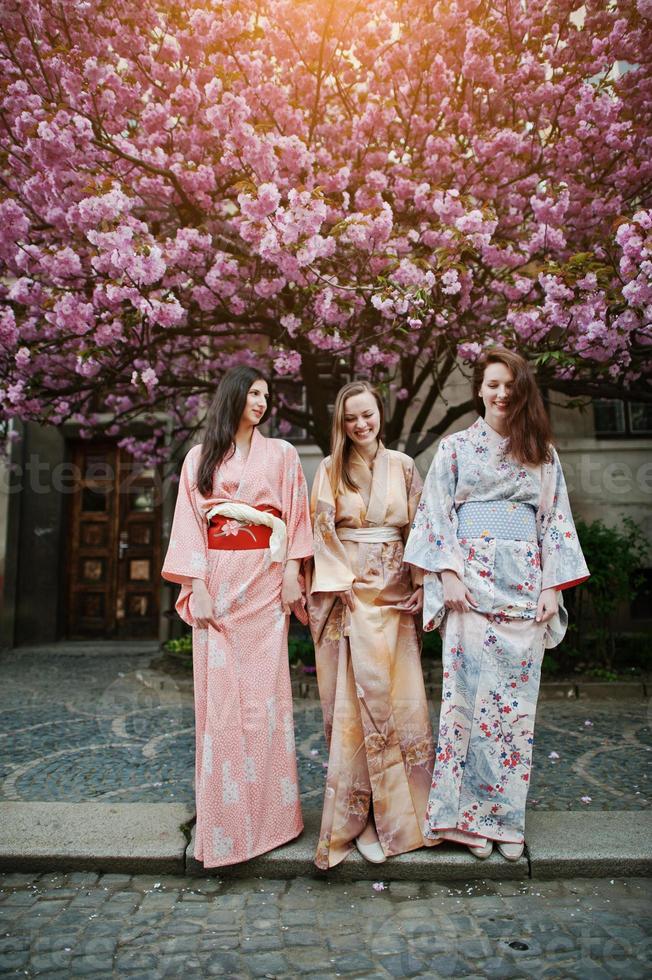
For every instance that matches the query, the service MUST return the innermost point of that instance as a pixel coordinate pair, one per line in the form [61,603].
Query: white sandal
[511,851]
[371,852]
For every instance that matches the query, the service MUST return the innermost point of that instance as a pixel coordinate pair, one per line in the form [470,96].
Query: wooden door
[114,551]
[139,551]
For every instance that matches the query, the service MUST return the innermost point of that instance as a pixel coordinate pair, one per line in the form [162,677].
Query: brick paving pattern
[96,722]
[81,924]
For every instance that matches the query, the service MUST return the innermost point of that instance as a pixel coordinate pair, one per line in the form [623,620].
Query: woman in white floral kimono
[362,606]
[495,536]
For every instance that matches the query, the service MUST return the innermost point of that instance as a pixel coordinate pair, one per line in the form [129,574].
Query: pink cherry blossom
[318,189]
[287,362]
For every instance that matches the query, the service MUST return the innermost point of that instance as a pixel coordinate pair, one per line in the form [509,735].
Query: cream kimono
[508,532]
[368,661]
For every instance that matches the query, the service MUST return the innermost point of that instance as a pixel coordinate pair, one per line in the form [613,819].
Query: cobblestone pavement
[95,722]
[120,926]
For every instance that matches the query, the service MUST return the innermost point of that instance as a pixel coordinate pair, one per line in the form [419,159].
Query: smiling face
[256,404]
[495,391]
[362,420]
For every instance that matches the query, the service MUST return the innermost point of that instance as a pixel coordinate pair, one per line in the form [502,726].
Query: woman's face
[495,391]
[256,406]
[362,419]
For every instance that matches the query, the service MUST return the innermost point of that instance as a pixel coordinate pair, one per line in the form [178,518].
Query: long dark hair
[528,425]
[222,421]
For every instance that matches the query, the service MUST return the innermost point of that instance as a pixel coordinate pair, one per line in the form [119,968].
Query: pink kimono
[246,782]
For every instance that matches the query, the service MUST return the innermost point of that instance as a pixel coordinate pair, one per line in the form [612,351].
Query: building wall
[9,507]
[33,539]
[607,479]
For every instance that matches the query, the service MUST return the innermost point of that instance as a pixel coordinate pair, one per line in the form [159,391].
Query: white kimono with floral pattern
[492,655]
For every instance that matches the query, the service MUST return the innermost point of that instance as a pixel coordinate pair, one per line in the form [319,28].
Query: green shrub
[180,647]
[615,556]
[431,645]
[300,648]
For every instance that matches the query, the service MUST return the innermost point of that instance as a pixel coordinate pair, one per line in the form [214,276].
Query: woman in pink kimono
[495,535]
[362,604]
[241,528]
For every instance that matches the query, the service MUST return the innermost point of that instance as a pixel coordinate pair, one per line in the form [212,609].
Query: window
[640,418]
[615,417]
[332,373]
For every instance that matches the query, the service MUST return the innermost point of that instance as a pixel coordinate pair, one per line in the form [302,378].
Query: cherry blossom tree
[325,187]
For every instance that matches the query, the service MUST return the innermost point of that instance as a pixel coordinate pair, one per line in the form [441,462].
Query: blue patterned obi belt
[502,519]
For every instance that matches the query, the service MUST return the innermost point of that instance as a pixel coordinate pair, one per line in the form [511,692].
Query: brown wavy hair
[340,475]
[222,421]
[528,425]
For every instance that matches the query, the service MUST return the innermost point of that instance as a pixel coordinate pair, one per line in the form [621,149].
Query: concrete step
[125,837]
[445,861]
[152,838]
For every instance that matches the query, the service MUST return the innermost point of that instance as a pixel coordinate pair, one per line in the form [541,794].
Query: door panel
[114,554]
[91,564]
[139,567]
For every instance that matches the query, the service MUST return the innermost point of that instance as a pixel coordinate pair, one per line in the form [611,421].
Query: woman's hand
[292,598]
[414,604]
[456,595]
[547,606]
[348,599]
[202,606]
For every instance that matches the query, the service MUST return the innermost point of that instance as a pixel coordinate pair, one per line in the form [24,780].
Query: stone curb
[571,844]
[305,686]
[594,690]
[445,861]
[150,838]
[562,844]
[122,837]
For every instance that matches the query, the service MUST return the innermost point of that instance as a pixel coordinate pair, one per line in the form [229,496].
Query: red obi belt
[226,534]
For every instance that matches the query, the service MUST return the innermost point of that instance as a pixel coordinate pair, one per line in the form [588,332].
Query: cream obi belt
[369,535]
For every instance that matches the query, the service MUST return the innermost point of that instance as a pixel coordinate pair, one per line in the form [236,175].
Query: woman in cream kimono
[241,528]
[495,535]
[362,604]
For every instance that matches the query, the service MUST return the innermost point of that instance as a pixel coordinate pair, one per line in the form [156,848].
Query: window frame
[627,432]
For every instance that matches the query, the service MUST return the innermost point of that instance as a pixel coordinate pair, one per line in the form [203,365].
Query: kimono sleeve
[296,512]
[414,488]
[432,544]
[562,561]
[187,554]
[332,572]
